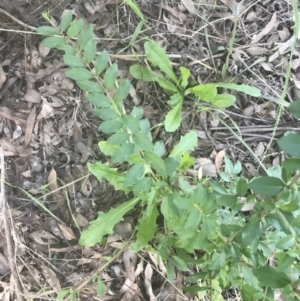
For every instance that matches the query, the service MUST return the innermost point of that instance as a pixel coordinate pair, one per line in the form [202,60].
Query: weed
[207,228]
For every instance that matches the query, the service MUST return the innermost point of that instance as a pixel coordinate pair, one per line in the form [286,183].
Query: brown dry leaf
[2,77]
[17,132]
[52,180]
[170,25]
[259,150]
[32,96]
[271,25]
[233,5]
[132,293]
[284,34]
[267,66]
[27,174]
[66,232]
[251,170]
[190,6]
[46,112]
[51,278]
[147,281]
[8,147]
[159,264]
[255,50]
[30,125]
[177,14]
[44,51]
[4,268]
[43,237]
[208,167]
[219,159]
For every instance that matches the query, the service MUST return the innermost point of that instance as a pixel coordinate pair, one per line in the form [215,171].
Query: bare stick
[9,240]
[16,20]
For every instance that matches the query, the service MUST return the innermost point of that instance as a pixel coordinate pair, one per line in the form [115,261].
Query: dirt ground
[48,132]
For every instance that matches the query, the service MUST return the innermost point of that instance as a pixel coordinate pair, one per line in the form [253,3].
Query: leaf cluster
[207,225]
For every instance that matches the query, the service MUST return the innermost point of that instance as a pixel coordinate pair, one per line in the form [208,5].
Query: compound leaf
[122,91]
[130,122]
[110,126]
[105,113]
[110,76]
[142,142]
[73,61]
[66,20]
[79,74]
[85,35]
[54,42]
[266,186]
[89,51]
[89,86]
[123,153]
[98,100]
[289,143]
[134,174]
[268,276]
[75,28]
[155,162]
[47,30]
[101,62]
[105,223]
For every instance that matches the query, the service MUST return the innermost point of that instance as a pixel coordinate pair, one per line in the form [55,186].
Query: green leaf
[290,143]
[222,100]
[252,91]
[268,276]
[250,232]
[123,153]
[89,51]
[134,174]
[137,112]
[147,223]
[79,74]
[267,186]
[47,30]
[103,171]
[62,294]
[74,28]
[105,223]
[285,243]
[142,142]
[101,62]
[73,61]
[291,164]
[106,148]
[173,118]
[179,263]
[143,73]
[98,100]
[175,99]
[89,86]
[143,185]
[248,293]
[156,163]
[118,138]
[85,35]
[209,226]
[110,126]
[171,165]
[294,109]
[122,91]
[137,31]
[166,84]
[226,200]
[132,4]
[217,261]
[66,20]
[185,74]
[187,143]
[53,42]
[205,92]
[68,49]
[159,148]
[110,76]
[100,287]
[105,113]
[242,187]
[193,219]
[130,122]
[158,58]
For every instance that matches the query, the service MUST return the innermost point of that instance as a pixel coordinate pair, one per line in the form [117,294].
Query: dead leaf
[190,6]
[219,159]
[259,150]
[43,237]
[255,50]
[2,77]
[44,51]
[52,180]
[177,14]
[66,232]
[271,25]
[4,268]
[32,96]
[51,278]
[17,132]
[208,167]
[170,25]
[147,280]
[30,125]
[233,5]
[46,112]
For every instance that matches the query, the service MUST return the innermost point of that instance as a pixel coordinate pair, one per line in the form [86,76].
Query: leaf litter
[47,123]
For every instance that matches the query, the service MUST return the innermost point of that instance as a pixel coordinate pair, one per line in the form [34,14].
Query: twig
[16,20]
[8,234]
